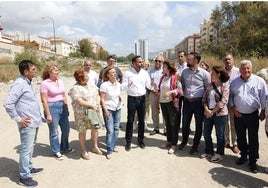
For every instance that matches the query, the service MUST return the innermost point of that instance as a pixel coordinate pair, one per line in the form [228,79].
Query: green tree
[121,59]
[252,26]
[129,57]
[28,54]
[241,28]
[86,48]
[103,54]
[75,54]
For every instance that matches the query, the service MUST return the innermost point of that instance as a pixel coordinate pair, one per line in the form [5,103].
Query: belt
[136,97]
[193,99]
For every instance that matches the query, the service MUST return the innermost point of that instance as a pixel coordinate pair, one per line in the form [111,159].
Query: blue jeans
[27,139]
[219,122]
[59,115]
[112,129]
[190,108]
[133,105]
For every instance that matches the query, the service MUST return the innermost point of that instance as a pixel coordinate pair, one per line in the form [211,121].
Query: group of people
[228,97]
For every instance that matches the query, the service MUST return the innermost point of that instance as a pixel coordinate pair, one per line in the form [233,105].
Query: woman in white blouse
[110,91]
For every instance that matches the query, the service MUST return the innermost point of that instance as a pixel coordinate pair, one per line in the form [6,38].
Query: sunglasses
[157,61]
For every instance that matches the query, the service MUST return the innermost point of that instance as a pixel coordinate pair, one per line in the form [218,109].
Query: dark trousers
[135,104]
[248,123]
[178,113]
[169,115]
[189,109]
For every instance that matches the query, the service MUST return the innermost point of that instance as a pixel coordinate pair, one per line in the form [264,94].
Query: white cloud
[114,25]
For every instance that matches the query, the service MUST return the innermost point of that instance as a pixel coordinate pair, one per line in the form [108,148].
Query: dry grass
[257,64]
[9,71]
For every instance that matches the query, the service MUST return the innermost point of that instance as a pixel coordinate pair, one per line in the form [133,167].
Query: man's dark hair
[110,57]
[135,58]
[196,55]
[228,54]
[25,65]
[182,51]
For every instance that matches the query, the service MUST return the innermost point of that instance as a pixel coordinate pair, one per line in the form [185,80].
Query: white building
[141,48]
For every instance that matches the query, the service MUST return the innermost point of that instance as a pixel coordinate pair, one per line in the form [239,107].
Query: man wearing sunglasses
[155,74]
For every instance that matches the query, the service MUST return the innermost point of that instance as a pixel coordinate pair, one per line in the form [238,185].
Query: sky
[114,25]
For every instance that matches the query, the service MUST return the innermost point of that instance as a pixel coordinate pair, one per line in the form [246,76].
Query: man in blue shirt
[194,81]
[22,106]
[248,95]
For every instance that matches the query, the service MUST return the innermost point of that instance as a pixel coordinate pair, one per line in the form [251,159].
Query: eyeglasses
[180,55]
[157,61]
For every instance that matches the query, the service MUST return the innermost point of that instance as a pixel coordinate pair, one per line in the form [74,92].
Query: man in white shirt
[181,65]
[155,74]
[92,75]
[233,72]
[135,81]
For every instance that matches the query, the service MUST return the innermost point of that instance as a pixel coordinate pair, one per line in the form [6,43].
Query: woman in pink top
[56,110]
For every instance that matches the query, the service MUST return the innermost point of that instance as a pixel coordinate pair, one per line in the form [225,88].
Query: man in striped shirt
[22,106]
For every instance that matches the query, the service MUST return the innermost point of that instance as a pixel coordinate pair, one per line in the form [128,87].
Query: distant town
[12,44]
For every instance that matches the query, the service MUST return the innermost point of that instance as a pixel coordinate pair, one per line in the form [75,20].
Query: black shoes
[153,132]
[141,145]
[241,160]
[182,145]
[253,168]
[35,171]
[127,147]
[194,150]
[68,151]
[28,182]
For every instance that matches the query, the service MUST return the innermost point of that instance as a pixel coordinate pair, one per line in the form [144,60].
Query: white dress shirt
[135,83]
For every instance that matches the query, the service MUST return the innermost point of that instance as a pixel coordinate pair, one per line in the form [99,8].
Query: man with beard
[135,81]
[194,81]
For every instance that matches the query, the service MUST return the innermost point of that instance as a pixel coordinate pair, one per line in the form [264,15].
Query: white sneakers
[216,158]
[172,150]
[58,156]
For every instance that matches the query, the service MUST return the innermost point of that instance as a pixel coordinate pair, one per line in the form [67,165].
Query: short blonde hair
[47,69]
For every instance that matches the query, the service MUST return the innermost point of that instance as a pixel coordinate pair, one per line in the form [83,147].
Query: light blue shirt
[194,83]
[233,73]
[155,76]
[248,96]
[180,68]
[22,102]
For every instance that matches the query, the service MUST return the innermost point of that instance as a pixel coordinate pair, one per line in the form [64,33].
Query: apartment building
[189,44]
[207,32]
[141,48]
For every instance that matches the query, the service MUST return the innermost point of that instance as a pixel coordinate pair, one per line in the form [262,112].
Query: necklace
[166,78]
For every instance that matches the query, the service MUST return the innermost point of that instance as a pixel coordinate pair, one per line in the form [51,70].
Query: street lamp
[53,31]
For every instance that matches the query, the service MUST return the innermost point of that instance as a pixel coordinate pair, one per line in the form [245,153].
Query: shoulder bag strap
[217,91]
